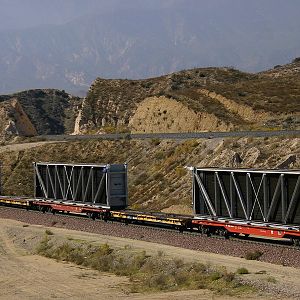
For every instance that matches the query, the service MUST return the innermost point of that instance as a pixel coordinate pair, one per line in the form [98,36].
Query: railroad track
[272,253]
[157,227]
[287,244]
[241,239]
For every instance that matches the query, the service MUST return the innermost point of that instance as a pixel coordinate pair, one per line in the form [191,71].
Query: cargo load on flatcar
[265,196]
[98,185]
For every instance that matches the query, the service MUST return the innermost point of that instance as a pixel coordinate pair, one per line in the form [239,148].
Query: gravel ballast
[271,253]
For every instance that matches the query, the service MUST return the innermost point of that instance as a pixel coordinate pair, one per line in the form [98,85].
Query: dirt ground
[24,146]
[27,276]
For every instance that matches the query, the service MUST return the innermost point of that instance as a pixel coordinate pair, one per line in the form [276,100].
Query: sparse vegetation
[253,255]
[146,273]
[259,91]
[48,232]
[242,271]
[155,142]
[271,279]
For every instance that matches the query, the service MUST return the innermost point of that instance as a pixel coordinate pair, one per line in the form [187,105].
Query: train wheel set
[226,202]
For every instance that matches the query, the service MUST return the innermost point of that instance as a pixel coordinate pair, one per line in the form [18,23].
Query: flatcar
[226,202]
[176,221]
[248,202]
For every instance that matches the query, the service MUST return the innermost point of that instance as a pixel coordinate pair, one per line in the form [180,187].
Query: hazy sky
[69,43]
[28,13]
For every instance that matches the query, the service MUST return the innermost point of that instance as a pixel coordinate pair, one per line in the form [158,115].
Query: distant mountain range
[141,39]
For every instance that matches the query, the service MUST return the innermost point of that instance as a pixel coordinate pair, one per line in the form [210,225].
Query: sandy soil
[27,276]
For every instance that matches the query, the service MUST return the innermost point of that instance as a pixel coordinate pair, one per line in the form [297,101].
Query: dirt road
[24,146]
[27,276]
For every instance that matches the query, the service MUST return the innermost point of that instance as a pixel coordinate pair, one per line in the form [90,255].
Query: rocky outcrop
[287,162]
[251,156]
[50,111]
[226,158]
[14,120]
[77,123]
[23,123]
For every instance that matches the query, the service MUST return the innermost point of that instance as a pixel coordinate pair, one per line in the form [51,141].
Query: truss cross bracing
[261,195]
[99,185]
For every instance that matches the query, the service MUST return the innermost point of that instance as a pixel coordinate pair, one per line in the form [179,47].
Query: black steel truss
[104,185]
[267,195]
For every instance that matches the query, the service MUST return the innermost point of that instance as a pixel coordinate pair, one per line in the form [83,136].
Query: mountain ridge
[231,99]
[203,99]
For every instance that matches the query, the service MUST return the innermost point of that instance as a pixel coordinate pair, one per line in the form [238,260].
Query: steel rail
[161,227]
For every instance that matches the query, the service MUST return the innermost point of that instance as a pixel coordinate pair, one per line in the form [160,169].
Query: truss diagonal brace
[295,198]
[51,182]
[205,194]
[41,182]
[224,194]
[274,199]
[239,195]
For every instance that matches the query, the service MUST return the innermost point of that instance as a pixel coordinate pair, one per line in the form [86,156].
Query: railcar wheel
[205,230]
[223,232]
[296,242]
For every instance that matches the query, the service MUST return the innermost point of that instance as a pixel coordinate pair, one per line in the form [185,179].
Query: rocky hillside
[206,99]
[195,100]
[14,121]
[39,112]
[158,178]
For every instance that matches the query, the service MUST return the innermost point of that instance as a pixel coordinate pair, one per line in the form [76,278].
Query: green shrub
[242,271]
[160,155]
[155,142]
[146,273]
[141,178]
[180,171]
[271,279]
[215,276]
[253,255]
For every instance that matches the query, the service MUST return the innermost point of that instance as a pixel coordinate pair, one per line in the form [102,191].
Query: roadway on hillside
[172,136]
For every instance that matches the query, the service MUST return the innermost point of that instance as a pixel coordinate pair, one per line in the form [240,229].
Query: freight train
[226,202]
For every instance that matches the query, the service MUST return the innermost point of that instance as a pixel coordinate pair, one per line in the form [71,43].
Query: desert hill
[14,121]
[195,100]
[47,111]
[203,99]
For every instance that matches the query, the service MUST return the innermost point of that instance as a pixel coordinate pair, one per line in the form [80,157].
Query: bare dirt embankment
[24,274]
[161,114]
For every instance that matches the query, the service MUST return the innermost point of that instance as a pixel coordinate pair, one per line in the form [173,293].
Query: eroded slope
[229,99]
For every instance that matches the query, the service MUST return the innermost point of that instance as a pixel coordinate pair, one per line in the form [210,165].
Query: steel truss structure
[86,184]
[269,196]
